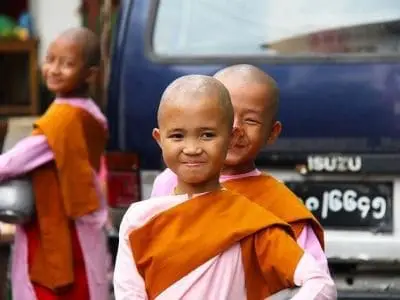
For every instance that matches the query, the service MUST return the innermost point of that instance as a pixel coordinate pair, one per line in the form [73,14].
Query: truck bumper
[357,295]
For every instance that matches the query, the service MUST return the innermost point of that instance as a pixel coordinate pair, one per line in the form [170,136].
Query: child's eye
[207,135]
[69,64]
[176,136]
[251,122]
[49,59]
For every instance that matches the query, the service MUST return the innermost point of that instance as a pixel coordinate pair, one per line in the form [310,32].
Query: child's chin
[194,179]
[54,89]
[233,160]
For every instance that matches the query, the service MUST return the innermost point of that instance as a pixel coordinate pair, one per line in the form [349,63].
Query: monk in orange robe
[255,100]
[206,242]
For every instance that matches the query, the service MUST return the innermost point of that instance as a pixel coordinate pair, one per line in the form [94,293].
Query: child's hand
[7,232]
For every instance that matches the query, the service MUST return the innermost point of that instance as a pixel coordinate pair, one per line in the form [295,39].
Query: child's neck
[200,188]
[238,169]
[78,93]
[72,96]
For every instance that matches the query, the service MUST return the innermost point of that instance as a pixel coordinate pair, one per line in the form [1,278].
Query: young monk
[255,100]
[62,252]
[206,242]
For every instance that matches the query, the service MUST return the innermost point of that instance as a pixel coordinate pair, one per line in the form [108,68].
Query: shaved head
[187,89]
[245,74]
[195,129]
[89,42]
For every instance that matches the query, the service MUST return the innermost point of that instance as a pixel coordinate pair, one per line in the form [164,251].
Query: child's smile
[194,135]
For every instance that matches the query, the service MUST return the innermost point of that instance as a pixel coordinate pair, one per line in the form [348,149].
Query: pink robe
[221,277]
[24,157]
[165,183]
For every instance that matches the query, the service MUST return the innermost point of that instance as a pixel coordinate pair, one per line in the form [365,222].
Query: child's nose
[54,69]
[238,130]
[192,148]
[238,124]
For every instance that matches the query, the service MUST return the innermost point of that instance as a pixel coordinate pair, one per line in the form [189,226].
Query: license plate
[349,206]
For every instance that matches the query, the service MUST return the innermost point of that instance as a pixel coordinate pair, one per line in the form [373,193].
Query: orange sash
[180,239]
[273,195]
[64,189]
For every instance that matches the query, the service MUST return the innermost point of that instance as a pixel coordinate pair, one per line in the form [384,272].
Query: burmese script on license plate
[350,206]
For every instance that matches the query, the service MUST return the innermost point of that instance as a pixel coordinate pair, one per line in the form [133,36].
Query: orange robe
[273,195]
[182,238]
[64,191]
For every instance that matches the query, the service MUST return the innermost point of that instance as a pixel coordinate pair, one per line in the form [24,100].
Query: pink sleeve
[103,169]
[26,155]
[164,184]
[99,218]
[315,283]
[33,152]
[128,284]
[309,242]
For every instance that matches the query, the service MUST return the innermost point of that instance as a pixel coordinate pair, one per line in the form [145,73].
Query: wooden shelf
[19,86]
[12,110]
[14,45]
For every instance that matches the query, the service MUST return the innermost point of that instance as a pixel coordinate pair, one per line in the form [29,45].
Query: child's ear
[236,133]
[156,136]
[275,132]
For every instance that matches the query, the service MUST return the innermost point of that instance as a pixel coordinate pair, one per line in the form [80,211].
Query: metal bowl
[17,203]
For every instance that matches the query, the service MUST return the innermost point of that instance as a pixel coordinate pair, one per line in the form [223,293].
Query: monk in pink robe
[255,100]
[206,242]
[26,156]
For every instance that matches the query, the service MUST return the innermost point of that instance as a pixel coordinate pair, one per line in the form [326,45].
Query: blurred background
[337,65]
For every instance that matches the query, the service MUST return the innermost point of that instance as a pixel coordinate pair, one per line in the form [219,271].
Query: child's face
[64,69]
[254,122]
[194,139]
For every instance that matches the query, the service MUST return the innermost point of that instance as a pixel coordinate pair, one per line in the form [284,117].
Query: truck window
[272,28]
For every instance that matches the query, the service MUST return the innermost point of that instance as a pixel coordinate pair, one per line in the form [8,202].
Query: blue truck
[337,64]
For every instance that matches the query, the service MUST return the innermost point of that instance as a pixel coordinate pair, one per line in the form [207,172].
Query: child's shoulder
[271,182]
[165,176]
[264,181]
[139,213]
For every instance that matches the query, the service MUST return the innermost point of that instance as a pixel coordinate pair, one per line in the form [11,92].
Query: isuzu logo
[334,163]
